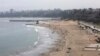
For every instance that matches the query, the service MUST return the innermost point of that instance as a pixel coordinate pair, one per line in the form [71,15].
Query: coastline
[71,40]
[46,41]
[60,47]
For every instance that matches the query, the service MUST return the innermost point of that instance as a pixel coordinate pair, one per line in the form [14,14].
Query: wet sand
[46,41]
[72,39]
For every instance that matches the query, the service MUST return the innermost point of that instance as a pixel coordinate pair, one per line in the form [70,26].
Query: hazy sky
[47,4]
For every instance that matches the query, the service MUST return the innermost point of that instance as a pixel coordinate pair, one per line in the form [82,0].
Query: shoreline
[46,41]
[71,40]
[61,43]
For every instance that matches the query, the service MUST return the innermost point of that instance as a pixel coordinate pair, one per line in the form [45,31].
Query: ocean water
[19,39]
[15,37]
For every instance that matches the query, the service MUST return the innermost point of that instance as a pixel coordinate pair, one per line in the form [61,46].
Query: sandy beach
[72,39]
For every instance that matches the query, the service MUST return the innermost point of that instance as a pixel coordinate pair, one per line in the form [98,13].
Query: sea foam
[45,41]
